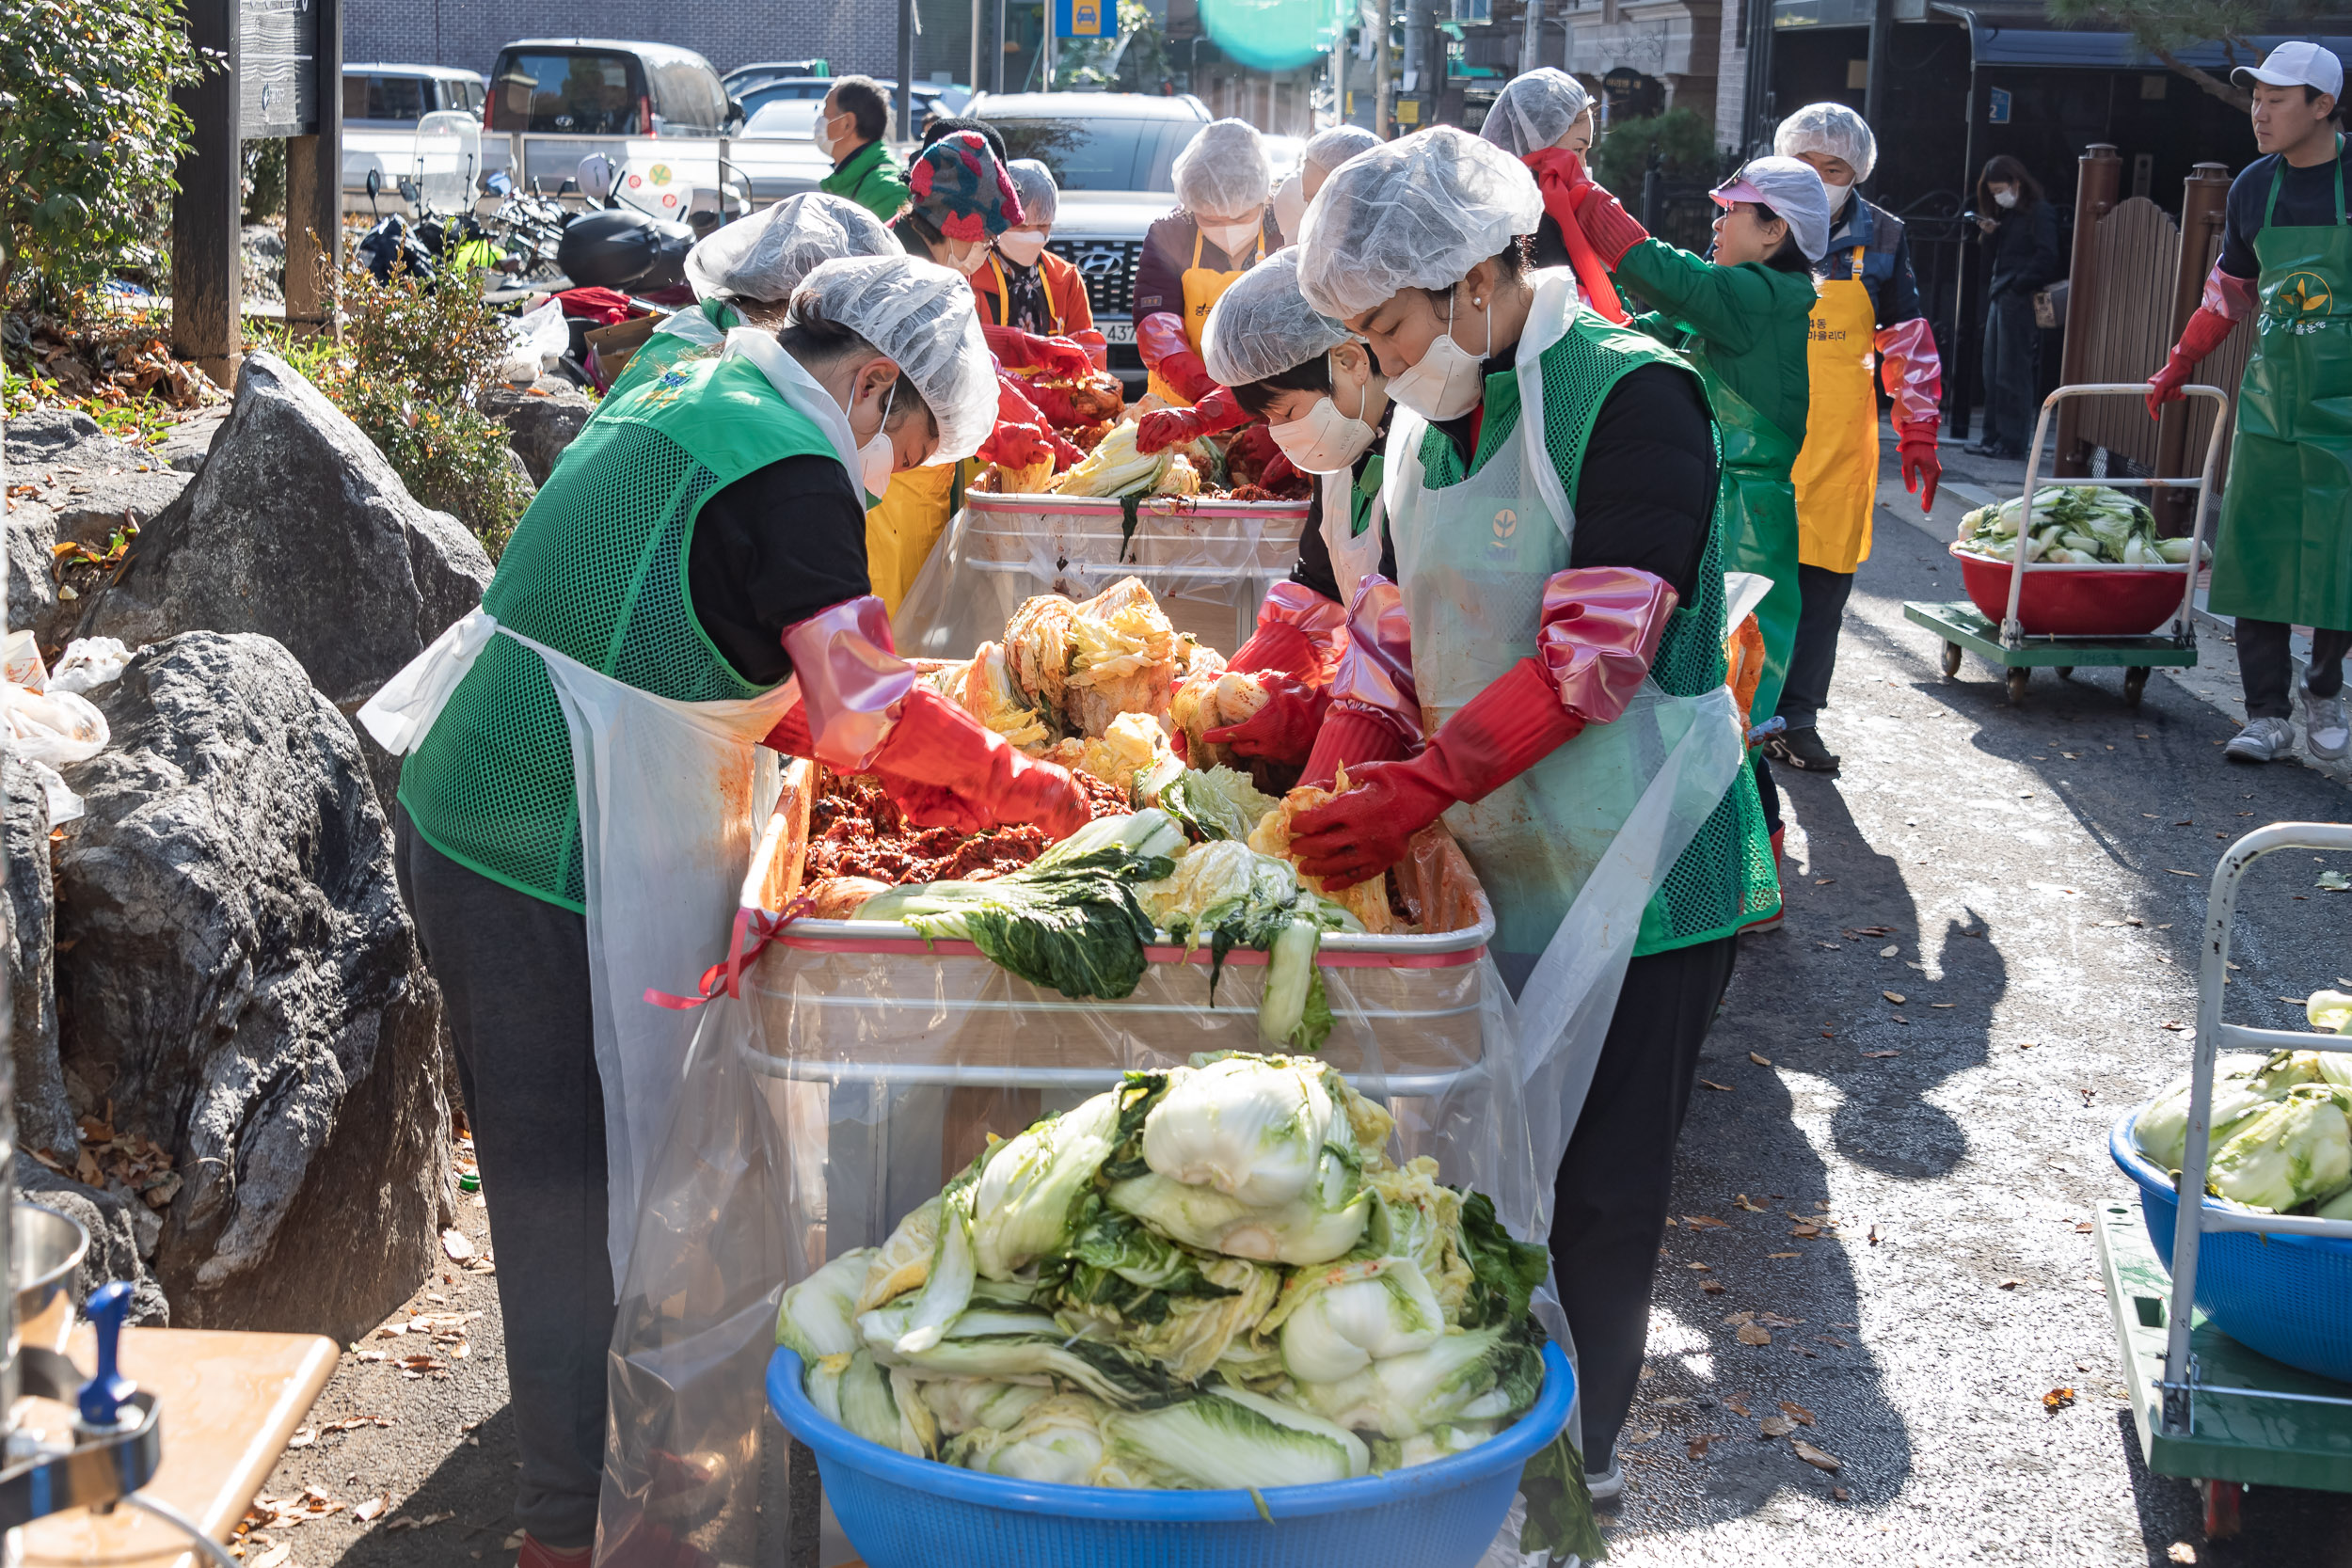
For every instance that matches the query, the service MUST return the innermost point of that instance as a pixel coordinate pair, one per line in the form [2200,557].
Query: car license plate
[1119,332]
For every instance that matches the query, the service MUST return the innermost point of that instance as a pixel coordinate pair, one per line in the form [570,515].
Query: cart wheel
[2135,682]
[2221,1501]
[2065,672]
[2017,679]
[1951,658]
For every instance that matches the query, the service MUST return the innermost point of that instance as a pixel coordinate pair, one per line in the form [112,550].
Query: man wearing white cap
[2283,553]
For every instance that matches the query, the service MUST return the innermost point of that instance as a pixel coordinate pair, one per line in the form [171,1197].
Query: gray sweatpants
[513,975]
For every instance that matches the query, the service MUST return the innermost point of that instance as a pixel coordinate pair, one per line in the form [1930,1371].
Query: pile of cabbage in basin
[1208,1278]
[2281,1138]
[2081,524]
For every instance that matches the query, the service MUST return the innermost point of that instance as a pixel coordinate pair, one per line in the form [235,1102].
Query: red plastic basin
[2125,601]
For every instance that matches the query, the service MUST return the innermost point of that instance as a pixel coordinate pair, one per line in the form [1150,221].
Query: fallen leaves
[304,1438]
[353,1423]
[1703,1221]
[374,1509]
[1711,1287]
[1754,1334]
[1721,1088]
[457,1245]
[1735,1406]
[2058,1399]
[1797,1413]
[2011,1284]
[106,1156]
[1784,1255]
[1698,1445]
[1894,996]
[1820,1459]
[1881,1054]
[1805,1232]
[1775,1426]
[2180,1551]
[1742,1202]
[1759,1061]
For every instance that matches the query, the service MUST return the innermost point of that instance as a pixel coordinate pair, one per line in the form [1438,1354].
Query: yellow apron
[1837,472]
[1204,286]
[1004,303]
[901,531]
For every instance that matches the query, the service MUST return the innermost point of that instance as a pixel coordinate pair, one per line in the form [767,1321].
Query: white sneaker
[1609,1484]
[2261,740]
[2327,732]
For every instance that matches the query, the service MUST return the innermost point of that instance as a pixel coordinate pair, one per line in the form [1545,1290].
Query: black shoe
[2005,454]
[1803,751]
[1976,448]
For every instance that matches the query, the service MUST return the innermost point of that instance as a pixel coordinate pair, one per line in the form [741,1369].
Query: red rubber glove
[1282,731]
[1254,450]
[1609,225]
[2204,333]
[1560,177]
[1497,736]
[1014,446]
[1167,427]
[1922,470]
[946,770]
[1349,738]
[1097,346]
[1018,350]
[1185,373]
[1014,407]
[1053,403]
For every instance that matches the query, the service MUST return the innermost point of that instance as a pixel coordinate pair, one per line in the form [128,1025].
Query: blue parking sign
[1086,18]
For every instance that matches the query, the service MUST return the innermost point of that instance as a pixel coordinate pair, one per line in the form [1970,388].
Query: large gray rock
[44,1119]
[237,979]
[540,421]
[86,484]
[297,527]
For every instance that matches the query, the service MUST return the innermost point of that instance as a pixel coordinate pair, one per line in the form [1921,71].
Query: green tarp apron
[1759,513]
[2284,552]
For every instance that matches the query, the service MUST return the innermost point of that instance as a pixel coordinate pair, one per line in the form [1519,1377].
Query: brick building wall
[851,35]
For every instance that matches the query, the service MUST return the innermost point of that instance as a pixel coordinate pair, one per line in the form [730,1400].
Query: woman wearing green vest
[1742,318]
[1552,492]
[744,274]
[583,776]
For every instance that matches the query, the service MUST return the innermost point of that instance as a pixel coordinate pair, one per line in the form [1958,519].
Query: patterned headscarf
[962,190]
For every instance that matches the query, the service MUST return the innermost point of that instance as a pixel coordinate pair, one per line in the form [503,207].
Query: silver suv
[1111,154]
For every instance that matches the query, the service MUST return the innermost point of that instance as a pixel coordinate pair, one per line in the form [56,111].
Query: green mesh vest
[1726,878]
[596,570]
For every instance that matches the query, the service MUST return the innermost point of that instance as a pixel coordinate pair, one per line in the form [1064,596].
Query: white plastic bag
[88,663]
[47,730]
[535,342]
[19,662]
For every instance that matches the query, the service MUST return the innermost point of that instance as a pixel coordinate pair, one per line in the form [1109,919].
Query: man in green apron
[2283,555]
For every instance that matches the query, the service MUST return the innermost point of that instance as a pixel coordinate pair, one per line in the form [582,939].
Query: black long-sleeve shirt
[770,550]
[2307,200]
[2024,251]
[1645,493]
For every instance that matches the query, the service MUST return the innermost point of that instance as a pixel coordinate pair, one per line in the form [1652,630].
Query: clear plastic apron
[671,798]
[1354,555]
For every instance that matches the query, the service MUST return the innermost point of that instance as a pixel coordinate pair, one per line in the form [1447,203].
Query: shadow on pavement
[475,1486]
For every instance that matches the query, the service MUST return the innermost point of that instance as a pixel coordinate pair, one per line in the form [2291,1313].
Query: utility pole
[1531,42]
[1383,76]
[975,78]
[1881,41]
[906,71]
[997,61]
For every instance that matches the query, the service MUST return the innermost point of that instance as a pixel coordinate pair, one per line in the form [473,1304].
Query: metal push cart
[1964,628]
[2206,1407]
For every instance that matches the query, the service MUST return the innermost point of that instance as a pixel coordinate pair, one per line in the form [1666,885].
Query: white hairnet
[1041,198]
[1224,171]
[922,316]
[1415,213]
[1791,189]
[1534,110]
[1263,326]
[1329,149]
[765,256]
[1830,128]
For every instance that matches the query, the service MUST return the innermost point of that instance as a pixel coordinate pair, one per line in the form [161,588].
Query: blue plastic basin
[2289,1297]
[901,1511]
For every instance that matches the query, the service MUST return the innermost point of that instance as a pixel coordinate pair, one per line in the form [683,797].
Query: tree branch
[2236,97]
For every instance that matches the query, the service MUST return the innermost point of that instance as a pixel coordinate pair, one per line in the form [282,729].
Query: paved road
[2024,864]
[2007,854]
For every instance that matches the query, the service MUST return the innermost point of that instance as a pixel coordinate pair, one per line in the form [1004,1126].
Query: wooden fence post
[207,260]
[2204,196]
[2100,177]
[314,188]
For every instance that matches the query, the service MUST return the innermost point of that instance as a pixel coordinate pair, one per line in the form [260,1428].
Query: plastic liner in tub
[1208,562]
[2289,1297]
[901,1511]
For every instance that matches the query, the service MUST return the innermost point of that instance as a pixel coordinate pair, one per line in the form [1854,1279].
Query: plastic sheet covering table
[856,1068]
[1207,563]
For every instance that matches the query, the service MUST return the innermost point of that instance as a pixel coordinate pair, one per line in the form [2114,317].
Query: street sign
[1086,18]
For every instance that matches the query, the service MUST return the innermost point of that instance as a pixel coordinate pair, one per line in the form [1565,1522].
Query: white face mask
[2005,198]
[822,137]
[965,255]
[1021,247]
[1838,197]
[877,457]
[1237,239]
[1448,381]
[1324,441]
[1290,207]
